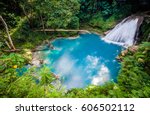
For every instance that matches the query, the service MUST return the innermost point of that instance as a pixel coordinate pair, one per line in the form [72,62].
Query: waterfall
[126,32]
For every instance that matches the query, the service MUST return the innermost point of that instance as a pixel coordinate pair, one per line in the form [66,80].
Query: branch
[13,50]
[7,31]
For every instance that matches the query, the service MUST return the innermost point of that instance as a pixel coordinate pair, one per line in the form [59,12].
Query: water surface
[83,61]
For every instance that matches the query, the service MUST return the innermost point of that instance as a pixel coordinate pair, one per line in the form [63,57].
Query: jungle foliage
[24,17]
[133,80]
[34,82]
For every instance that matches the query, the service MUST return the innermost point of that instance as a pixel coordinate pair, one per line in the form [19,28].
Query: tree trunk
[8,44]
[42,24]
[12,50]
[7,31]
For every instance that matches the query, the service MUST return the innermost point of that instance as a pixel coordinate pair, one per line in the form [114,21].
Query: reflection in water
[102,76]
[83,61]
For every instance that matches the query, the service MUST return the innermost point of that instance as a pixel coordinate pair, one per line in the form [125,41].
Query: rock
[119,58]
[41,61]
[133,48]
[123,53]
[105,33]
[36,63]
[36,59]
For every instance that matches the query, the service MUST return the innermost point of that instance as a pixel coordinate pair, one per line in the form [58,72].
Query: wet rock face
[145,31]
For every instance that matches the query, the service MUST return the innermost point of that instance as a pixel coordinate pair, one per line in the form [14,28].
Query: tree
[10,44]
[91,7]
[56,14]
[27,9]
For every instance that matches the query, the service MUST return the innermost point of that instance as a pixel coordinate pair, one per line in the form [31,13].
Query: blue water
[83,61]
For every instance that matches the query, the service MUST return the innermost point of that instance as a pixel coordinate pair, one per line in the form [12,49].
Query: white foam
[123,33]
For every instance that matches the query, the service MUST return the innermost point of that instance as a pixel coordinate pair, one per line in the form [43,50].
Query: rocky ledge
[131,49]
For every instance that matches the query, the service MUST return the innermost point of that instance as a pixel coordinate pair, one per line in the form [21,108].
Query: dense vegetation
[25,17]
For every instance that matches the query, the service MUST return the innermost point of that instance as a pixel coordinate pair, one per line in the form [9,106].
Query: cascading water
[126,32]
